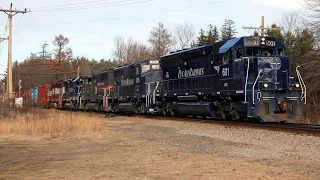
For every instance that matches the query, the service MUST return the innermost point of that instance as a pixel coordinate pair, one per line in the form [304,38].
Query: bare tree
[129,47]
[62,57]
[313,15]
[291,22]
[183,35]
[61,53]
[160,40]
[130,51]
[120,49]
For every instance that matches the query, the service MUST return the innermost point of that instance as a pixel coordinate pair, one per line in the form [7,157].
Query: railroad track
[292,127]
[297,128]
[302,128]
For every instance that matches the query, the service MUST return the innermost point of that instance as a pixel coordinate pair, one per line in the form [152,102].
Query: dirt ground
[144,148]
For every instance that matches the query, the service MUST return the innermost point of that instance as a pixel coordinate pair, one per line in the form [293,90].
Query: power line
[93,6]
[124,17]
[64,5]
[17,25]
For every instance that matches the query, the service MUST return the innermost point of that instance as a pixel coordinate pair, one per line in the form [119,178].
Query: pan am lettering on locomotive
[190,73]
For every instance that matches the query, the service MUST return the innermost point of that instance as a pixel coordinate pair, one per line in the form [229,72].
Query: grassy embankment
[50,122]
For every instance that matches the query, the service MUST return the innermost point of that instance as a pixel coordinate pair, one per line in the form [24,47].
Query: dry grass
[52,122]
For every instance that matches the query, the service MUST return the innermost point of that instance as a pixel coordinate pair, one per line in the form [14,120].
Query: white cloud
[285,4]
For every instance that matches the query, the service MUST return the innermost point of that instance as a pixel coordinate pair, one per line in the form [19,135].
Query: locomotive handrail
[154,92]
[254,86]
[148,94]
[303,86]
[246,84]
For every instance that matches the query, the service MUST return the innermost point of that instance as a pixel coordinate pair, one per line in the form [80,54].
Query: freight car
[242,78]
[43,92]
[56,94]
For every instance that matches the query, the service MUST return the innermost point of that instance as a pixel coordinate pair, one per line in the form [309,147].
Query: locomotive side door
[226,71]
[238,72]
[137,90]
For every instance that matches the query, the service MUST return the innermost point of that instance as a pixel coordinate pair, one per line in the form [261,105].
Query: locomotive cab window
[280,52]
[252,52]
[226,57]
[267,52]
[155,66]
[238,52]
[145,68]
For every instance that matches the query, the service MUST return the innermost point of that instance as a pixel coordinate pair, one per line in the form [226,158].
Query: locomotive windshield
[267,51]
[153,65]
[145,68]
[262,46]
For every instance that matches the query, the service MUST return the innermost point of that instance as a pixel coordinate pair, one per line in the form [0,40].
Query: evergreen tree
[202,38]
[228,30]
[212,34]
[275,33]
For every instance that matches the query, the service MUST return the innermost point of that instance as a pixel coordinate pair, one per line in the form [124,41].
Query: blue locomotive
[246,77]
[242,78]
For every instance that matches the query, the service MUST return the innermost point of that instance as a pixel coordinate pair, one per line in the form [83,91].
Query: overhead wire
[125,17]
[17,25]
[65,5]
[3,35]
[94,6]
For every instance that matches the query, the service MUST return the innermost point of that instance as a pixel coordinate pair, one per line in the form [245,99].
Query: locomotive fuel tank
[128,107]
[196,108]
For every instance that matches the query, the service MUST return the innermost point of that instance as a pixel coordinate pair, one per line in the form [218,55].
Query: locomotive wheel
[164,112]
[85,107]
[234,115]
[171,112]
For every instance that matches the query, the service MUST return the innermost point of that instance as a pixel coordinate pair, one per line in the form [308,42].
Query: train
[241,78]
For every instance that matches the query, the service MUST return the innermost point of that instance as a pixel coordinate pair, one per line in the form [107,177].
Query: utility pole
[262,28]
[10,14]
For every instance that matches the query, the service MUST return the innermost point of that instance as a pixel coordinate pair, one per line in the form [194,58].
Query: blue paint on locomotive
[229,44]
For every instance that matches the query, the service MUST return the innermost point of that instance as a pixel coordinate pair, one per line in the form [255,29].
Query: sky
[92,25]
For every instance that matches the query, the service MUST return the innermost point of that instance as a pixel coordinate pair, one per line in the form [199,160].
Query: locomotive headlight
[297,85]
[265,85]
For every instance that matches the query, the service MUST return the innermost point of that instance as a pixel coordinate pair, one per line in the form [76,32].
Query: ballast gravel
[234,141]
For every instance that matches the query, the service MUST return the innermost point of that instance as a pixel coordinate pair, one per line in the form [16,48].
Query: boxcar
[34,95]
[43,92]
